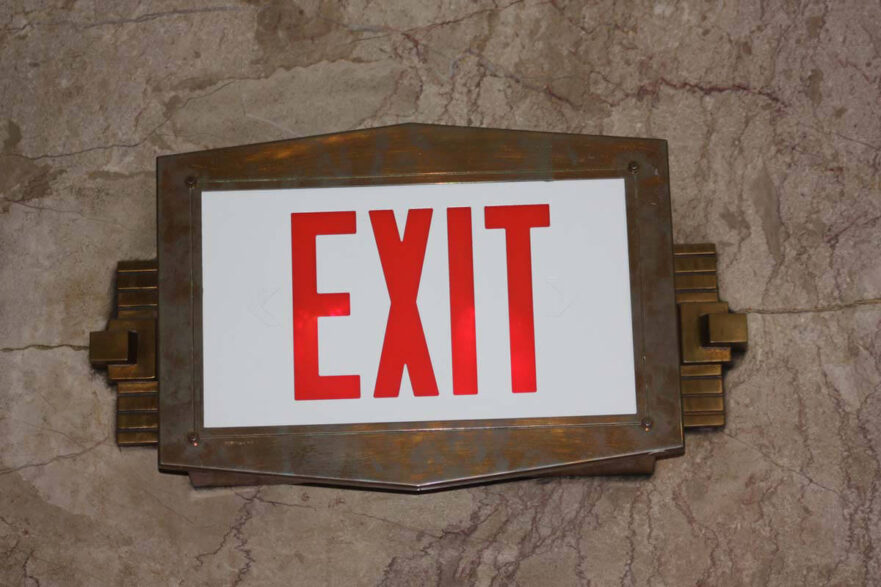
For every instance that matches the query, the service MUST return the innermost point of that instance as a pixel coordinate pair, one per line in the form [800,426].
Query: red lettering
[464,333]
[309,305]
[516,221]
[404,342]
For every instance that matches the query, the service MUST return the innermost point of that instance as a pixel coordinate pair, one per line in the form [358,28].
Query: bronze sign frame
[425,455]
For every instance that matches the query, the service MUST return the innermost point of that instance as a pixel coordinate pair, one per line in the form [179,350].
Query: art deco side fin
[708,333]
[128,349]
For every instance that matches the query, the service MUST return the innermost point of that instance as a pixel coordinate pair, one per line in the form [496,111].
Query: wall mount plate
[227,413]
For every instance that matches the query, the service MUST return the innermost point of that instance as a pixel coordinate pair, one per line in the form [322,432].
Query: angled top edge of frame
[421,149]
[439,129]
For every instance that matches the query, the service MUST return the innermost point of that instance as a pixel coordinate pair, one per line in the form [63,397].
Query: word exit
[402,258]
[416,303]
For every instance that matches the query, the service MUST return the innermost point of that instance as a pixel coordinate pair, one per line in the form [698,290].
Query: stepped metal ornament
[502,271]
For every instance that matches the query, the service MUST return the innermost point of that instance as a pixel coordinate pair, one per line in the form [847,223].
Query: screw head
[647,423]
[633,167]
[190,181]
[193,438]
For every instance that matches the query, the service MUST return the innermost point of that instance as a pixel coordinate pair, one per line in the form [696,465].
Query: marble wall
[771,110]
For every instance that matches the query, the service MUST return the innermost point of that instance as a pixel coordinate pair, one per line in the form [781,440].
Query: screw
[190,181]
[193,438]
[633,167]
[647,423]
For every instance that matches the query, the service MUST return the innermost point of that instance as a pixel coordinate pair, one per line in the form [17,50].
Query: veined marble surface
[772,111]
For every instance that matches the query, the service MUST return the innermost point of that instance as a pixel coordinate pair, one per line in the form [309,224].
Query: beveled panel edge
[640,464]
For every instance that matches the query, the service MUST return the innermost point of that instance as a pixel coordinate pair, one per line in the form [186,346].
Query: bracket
[128,349]
[708,333]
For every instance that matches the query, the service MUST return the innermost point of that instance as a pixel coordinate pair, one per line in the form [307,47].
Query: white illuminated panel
[583,362]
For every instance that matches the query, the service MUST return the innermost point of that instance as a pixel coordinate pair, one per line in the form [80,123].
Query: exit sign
[410,307]
[413,303]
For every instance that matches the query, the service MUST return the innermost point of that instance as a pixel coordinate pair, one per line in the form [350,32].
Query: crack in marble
[27,575]
[858,222]
[682,504]
[236,532]
[816,310]
[418,531]
[134,20]
[783,467]
[135,144]
[63,211]
[42,428]
[44,347]
[630,537]
[55,459]
[709,89]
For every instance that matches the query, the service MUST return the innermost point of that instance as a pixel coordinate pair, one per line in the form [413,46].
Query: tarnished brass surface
[696,282]
[707,334]
[691,336]
[128,349]
[726,330]
[672,391]
[632,465]
[694,249]
[419,456]
[694,264]
[137,403]
[112,347]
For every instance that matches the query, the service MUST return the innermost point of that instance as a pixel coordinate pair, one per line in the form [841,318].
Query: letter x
[404,342]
